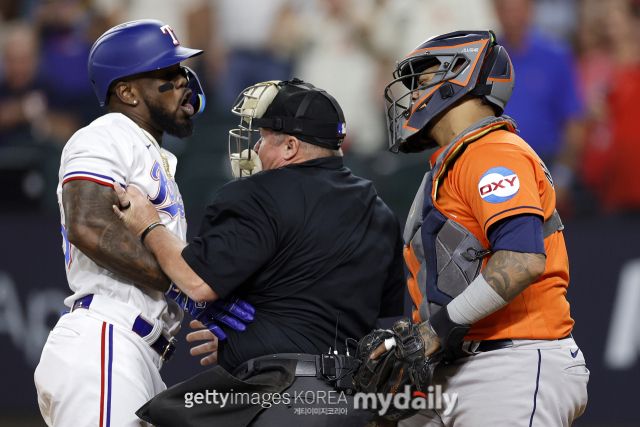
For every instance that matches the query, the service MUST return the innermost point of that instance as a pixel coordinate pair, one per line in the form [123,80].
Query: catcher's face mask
[456,64]
[251,104]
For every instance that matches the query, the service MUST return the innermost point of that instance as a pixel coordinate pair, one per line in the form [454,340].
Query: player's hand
[136,211]
[431,342]
[231,311]
[211,346]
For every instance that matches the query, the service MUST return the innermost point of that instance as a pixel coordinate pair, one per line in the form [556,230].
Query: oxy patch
[498,185]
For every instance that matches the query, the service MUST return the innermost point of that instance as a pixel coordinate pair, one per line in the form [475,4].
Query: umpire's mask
[292,107]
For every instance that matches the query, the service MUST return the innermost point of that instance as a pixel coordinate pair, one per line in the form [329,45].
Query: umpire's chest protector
[442,256]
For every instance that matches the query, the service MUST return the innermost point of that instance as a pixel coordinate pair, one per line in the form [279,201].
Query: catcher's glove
[393,370]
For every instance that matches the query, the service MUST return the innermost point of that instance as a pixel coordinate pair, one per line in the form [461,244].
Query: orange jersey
[499,176]
[496,176]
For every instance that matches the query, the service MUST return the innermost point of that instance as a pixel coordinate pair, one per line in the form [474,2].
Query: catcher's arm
[507,273]
[94,229]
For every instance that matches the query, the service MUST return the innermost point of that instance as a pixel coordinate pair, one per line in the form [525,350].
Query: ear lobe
[126,93]
[292,147]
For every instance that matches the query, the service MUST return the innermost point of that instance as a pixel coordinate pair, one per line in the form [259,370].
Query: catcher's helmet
[137,47]
[470,62]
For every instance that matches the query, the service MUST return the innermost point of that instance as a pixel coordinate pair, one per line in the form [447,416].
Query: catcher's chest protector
[443,256]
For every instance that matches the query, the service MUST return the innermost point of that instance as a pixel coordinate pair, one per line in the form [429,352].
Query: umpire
[308,244]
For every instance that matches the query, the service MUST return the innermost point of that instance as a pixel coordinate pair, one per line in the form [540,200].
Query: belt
[164,347]
[307,366]
[465,349]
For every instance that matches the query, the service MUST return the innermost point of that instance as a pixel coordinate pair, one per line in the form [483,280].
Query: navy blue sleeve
[519,233]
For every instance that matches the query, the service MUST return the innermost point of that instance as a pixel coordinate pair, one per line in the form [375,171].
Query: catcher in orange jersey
[488,267]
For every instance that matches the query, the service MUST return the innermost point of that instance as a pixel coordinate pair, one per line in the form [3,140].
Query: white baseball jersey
[114,148]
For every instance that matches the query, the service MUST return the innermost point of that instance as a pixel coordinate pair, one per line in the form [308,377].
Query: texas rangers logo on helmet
[498,185]
[166,29]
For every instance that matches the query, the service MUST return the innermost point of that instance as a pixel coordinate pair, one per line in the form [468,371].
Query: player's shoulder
[108,131]
[500,150]
[498,143]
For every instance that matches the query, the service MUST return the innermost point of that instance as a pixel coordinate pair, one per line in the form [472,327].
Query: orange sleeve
[499,180]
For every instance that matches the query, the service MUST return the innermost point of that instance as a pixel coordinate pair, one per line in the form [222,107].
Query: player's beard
[169,121]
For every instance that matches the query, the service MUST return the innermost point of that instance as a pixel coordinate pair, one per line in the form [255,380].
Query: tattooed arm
[509,273]
[95,230]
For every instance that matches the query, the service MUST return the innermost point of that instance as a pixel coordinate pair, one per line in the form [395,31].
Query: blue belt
[491,345]
[488,345]
[164,347]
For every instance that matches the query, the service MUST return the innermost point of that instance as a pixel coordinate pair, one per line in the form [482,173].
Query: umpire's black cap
[306,112]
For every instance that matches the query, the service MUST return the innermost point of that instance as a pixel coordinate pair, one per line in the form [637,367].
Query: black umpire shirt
[300,243]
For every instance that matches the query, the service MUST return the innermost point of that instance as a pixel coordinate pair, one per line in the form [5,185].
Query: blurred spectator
[337,55]
[351,46]
[245,43]
[557,17]
[68,29]
[22,100]
[172,12]
[24,113]
[545,103]
[428,18]
[10,10]
[610,40]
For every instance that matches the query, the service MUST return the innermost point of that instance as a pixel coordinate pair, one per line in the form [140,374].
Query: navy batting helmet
[469,62]
[137,47]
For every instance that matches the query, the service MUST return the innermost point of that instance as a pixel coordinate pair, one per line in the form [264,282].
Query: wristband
[149,228]
[449,332]
[476,302]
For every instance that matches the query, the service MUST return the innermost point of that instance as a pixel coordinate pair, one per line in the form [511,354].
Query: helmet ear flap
[498,71]
[488,64]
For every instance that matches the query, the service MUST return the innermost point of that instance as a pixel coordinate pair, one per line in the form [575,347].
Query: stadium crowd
[577,65]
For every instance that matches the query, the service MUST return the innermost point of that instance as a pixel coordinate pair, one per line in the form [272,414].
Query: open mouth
[185,105]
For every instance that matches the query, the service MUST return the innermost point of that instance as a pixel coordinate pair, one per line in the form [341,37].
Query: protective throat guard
[443,256]
[246,163]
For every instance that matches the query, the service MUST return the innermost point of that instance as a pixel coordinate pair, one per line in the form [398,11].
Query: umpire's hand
[211,346]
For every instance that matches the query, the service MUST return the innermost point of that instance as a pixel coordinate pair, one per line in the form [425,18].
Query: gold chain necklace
[164,158]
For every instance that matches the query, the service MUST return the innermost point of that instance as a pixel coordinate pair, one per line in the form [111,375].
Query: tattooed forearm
[509,273]
[93,228]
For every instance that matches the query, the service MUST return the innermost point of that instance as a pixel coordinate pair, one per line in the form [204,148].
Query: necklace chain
[164,158]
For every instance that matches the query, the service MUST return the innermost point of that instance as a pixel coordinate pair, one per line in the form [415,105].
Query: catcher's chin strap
[451,334]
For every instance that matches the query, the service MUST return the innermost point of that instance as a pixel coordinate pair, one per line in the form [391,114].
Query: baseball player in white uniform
[102,360]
